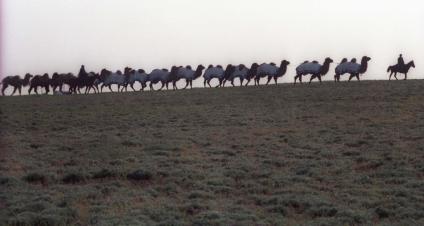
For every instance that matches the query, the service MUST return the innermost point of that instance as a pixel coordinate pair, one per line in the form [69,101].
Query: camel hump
[164,69]
[188,67]
[314,62]
[219,66]
[210,66]
[344,60]
[306,61]
[273,64]
[353,60]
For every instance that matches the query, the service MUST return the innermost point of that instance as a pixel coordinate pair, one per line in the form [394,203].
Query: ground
[330,154]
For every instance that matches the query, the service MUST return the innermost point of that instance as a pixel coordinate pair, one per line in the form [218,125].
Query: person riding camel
[401,62]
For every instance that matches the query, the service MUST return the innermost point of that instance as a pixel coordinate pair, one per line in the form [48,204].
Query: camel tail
[389,69]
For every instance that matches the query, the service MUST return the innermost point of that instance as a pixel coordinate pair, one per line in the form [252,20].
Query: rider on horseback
[401,62]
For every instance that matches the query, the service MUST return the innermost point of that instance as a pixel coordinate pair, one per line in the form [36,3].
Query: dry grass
[346,154]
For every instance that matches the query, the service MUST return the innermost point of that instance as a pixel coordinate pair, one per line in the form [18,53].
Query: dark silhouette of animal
[188,74]
[42,81]
[401,69]
[352,68]
[271,71]
[313,68]
[16,82]
[58,80]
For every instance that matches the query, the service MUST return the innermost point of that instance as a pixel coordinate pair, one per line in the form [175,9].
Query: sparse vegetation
[346,154]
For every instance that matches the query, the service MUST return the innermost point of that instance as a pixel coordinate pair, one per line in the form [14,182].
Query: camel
[313,68]
[271,71]
[16,82]
[42,81]
[352,68]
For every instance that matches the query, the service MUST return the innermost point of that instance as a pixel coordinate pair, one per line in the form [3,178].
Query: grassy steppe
[346,154]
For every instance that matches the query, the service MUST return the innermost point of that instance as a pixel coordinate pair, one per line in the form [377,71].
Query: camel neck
[364,66]
[325,68]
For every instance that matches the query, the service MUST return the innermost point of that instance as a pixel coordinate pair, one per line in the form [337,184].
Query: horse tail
[389,69]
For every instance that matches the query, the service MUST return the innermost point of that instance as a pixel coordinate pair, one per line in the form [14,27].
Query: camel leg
[276,79]
[232,82]
[351,76]
[312,78]
[191,84]
[187,83]
[151,87]
[132,87]
[163,84]
[219,84]
[204,83]
[300,79]
[248,81]
[20,90]
[357,76]
[241,82]
[209,83]
[110,88]
[14,90]
[319,78]
[269,79]
[36,90]
[295,79]
[406,76]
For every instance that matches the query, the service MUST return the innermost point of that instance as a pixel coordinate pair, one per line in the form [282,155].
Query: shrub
[73,178]
[104,173]
[35,178]
[139,175]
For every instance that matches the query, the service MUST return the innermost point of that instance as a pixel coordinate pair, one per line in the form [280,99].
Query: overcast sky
[60,35]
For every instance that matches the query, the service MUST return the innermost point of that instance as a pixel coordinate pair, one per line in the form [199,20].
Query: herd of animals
[92,81]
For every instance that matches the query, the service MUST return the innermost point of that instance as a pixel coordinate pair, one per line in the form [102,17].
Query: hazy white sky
[60,35]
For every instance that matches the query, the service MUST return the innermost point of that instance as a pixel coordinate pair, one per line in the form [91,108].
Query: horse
[394,69]
[16,82]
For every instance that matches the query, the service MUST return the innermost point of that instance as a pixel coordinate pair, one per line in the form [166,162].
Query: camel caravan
[96,82]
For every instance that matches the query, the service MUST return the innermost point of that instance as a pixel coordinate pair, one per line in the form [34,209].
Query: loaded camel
[352,68]
[313,68]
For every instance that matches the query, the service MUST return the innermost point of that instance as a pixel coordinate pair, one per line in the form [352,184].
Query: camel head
[285,63]
[28,76]
[366,59]
[412,64]
[200,67]
[328,60]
